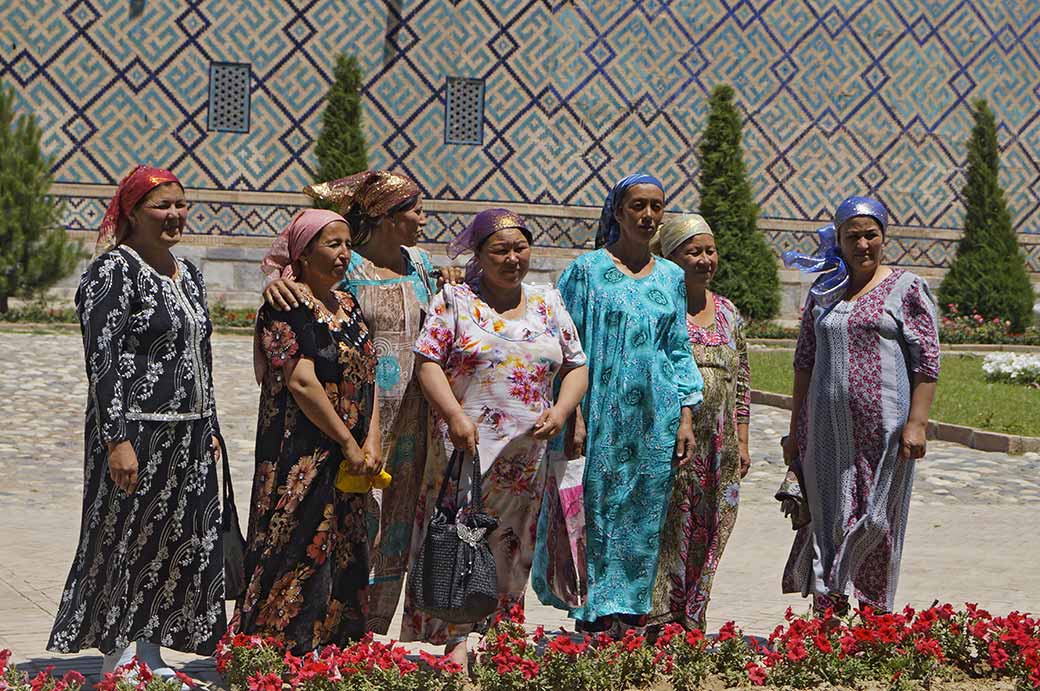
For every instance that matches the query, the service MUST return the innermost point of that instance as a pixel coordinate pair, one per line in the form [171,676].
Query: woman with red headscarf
[149,566]
[306,559]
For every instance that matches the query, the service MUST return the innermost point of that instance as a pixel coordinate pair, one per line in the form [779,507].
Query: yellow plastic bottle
[350,483]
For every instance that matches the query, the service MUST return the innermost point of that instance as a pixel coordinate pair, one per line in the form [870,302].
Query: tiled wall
[840,98]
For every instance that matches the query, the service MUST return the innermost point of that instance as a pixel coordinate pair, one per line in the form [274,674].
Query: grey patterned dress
[149,565]
[863,356]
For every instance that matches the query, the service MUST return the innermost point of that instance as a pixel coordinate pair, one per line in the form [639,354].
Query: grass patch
[964,397]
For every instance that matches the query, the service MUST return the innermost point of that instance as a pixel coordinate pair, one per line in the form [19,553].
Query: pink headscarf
[280,260]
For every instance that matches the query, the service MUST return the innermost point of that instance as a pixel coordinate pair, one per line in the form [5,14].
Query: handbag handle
[477,501]
[229,491]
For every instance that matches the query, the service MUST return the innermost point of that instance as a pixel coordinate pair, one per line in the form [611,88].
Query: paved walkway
[972,534]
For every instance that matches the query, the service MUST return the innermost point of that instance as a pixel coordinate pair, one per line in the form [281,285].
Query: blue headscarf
[829,288]
[609,228]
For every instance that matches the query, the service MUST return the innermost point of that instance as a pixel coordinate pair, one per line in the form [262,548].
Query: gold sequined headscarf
[365,197]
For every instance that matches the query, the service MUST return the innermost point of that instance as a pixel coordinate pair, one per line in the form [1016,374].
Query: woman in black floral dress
[149,566]
[307,552]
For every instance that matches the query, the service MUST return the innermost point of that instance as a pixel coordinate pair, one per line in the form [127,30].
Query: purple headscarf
[484,225]
[829,288]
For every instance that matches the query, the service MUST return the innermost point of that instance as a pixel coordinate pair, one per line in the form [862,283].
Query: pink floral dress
[502,372]
[706,490]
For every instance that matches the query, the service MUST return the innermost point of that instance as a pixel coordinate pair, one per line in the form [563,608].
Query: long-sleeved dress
[149,565]
[306,560]
[502,372]
[641,373]
[706,490]
[863,356]
[393,309]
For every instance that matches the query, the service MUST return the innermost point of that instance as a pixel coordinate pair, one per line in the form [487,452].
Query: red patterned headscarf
[132,189]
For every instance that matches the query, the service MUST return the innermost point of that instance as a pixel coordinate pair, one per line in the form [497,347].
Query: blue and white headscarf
[609,228]
[829,288]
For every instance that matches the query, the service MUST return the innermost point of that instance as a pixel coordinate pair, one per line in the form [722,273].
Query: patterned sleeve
[921,329]
[103,302]
[687,375]
[437,337]
[286,336]
[573,354]
[743,408]
[805,350]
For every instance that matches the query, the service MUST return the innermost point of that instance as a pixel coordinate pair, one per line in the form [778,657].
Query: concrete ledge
[971,437]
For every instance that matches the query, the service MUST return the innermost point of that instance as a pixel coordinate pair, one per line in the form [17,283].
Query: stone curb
[981,440]
[789,343]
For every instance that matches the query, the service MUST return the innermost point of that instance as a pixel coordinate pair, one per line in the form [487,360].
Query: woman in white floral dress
[489,351]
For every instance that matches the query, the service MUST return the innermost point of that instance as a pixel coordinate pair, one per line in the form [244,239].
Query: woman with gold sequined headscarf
[393,281]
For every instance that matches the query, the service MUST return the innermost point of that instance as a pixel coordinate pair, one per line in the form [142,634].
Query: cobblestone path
[971,535]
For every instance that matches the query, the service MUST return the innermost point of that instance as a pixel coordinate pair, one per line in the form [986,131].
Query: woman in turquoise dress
[629,309]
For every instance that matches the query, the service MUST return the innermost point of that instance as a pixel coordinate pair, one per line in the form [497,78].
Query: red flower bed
[922,649]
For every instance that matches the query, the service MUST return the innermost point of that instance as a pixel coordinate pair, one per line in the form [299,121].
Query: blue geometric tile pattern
[840,97]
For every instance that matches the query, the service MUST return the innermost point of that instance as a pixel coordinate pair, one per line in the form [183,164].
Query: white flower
[1018,368]
[731,494]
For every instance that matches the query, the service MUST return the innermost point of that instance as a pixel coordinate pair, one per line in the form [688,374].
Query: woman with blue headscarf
[866,366]
[629,309]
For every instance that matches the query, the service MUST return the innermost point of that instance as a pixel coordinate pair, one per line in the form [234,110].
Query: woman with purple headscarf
[866,366]
[306,561]
[488,355]
[629,308]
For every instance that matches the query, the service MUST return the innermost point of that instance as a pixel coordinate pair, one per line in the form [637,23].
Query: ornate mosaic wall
[840,97]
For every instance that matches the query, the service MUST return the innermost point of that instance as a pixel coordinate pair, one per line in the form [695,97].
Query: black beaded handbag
[454,577]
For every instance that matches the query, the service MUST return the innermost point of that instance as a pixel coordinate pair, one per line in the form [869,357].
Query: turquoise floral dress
[641,373]
[393,309]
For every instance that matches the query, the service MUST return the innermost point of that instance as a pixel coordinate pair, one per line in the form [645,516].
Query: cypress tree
[988,276]
[35,251]
[341,145]
[747,272]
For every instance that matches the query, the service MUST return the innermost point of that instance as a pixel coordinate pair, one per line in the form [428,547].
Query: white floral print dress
[502,372]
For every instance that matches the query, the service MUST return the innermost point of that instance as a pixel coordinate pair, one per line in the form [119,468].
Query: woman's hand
[122,465]
[283,295]
[354,455]
[574,440]
[549,423]
[745,460]
[372,451]
[214,444]
[790,446]
[463,432]
[914,441]
[684,439]
[450,274]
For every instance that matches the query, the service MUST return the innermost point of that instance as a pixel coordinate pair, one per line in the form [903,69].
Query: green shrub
[747,274]
[35,251]
[341,149]
[988,276]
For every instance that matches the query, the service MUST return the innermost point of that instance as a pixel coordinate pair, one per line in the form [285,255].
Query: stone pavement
[971,538]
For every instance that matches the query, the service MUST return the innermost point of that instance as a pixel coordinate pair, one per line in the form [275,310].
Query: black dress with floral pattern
[307,552]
